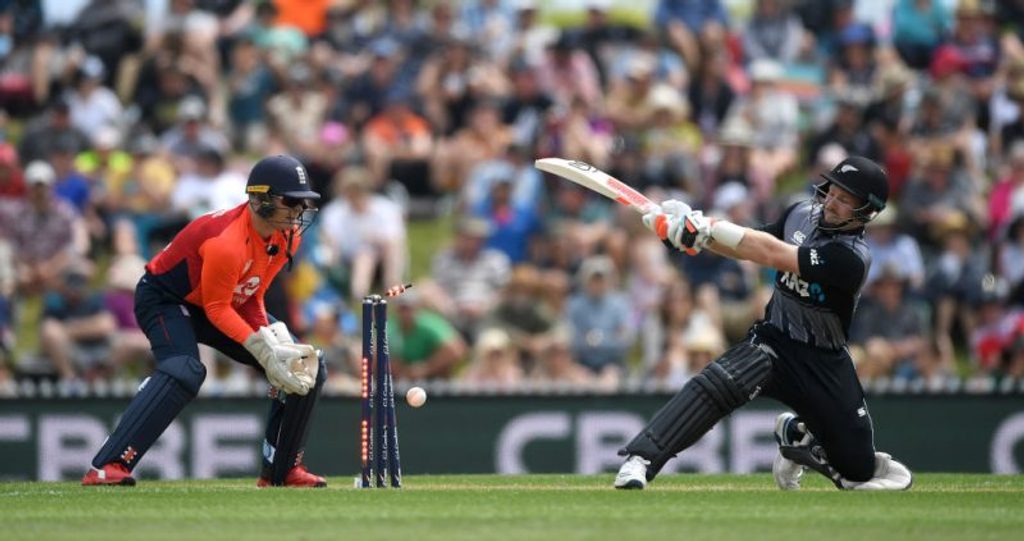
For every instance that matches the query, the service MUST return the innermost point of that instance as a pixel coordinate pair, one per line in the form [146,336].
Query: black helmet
[862,178]
[280,175]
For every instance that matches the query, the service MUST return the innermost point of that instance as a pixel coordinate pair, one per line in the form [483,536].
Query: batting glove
[658,220]
[690,234]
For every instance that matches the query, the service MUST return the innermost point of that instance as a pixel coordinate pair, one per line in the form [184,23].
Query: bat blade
[594,179]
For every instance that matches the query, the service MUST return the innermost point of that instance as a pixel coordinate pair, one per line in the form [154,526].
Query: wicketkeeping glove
[277,361]
[307,363]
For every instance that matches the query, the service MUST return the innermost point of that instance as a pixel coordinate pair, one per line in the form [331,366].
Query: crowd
[125,119]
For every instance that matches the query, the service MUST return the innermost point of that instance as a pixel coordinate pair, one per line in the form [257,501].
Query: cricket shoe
[633,474]
[789,431]
[113,474]
[298,476]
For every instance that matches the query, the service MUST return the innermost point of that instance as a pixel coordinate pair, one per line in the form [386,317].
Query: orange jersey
[220,263]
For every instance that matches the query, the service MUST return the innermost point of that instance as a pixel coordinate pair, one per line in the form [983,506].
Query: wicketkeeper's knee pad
[188,371]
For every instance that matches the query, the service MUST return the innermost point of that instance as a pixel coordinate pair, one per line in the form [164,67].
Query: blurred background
[418,121]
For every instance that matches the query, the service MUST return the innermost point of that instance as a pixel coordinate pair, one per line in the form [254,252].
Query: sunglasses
[294,202]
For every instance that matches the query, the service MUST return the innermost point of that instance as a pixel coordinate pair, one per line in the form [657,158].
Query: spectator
[568,74]
[250,84]
[210,187]
[128,343]
[848,130]
[453,81]
[398,145]
[940,196]
[599,318]
[919,26]
[772,115]
[423,344]
[12,182]
[296,113]
[1007,196]
[53,125]
[556,365]
[997,342]
[495,362]
[44,230]
[683,22]
[91,104]
[483,138]
[192,133]
[1010,263]
[364,233]
[891,247]
[891,332]
[528,106]
[774,32]
[522,314]
[469,276]
[678,323]
[76,329]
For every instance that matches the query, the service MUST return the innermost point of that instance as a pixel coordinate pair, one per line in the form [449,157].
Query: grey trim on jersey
[821,325]
[810,325]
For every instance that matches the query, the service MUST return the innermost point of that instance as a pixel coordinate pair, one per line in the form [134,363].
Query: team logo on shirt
[798,237]
[803,288]
[245,289]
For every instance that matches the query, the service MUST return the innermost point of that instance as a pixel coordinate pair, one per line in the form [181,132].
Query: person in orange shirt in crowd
[207,286]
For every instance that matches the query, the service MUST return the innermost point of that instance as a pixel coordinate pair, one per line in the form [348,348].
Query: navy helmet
[281,175]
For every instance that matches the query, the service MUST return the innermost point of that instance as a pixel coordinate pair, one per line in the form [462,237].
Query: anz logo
[805,289]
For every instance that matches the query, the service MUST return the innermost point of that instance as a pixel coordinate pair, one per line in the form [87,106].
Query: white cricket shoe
[787,473]
[633,473]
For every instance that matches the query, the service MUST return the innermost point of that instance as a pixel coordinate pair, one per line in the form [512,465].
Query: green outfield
[560,507]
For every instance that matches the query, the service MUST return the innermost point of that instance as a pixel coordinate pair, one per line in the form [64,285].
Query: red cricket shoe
[112,474]
[298,476]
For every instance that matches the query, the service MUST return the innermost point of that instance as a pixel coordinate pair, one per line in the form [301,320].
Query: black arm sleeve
[777,228]
[832,264]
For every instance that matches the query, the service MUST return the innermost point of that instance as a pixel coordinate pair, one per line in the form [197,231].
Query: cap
[40,172]
[92,68]
[280,175]
[593,266]
[765,71]
[353,177]
[493,339]
[191,108]
[107,138]
[476,227]
[729,195]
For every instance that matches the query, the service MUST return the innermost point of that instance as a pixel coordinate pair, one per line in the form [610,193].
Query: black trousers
[821,386]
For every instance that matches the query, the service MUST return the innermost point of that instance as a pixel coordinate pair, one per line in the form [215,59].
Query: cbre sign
[55,439]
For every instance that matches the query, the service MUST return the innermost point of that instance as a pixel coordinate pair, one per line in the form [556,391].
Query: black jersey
[816,306]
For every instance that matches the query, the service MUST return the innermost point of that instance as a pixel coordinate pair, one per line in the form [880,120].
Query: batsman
[797,352]
[207,286]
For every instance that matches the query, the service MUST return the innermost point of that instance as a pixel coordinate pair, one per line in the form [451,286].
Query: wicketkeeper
[797,353]
[207,287]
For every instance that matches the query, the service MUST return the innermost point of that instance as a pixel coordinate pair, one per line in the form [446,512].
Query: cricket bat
[592,178]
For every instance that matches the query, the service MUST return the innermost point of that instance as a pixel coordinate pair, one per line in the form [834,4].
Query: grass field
[561,507]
